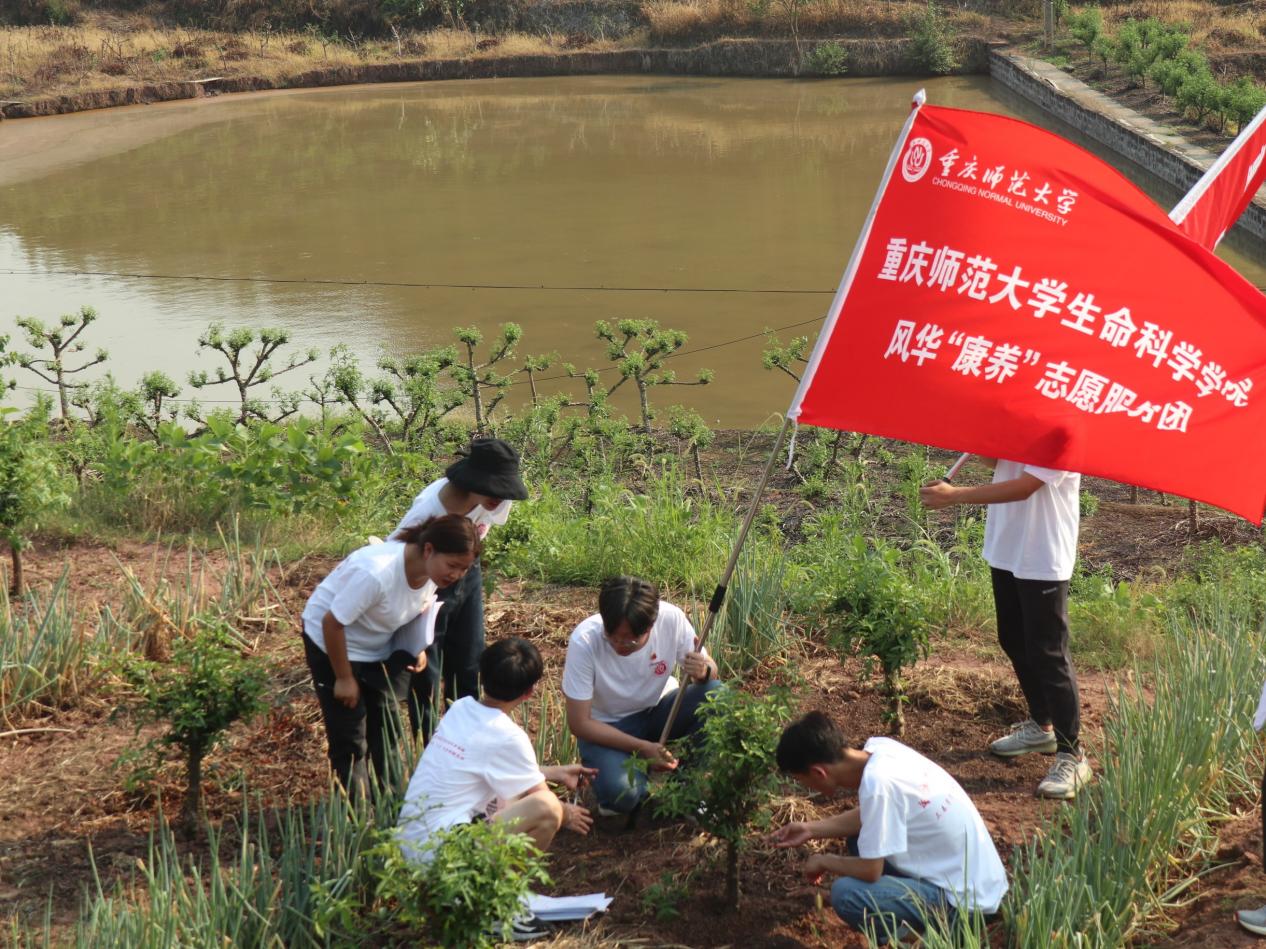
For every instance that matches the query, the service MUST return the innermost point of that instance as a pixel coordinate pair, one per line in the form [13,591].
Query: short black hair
[812,740]
[509,668]
[628,598]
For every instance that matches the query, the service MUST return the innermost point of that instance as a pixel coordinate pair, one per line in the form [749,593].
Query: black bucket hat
[489,467]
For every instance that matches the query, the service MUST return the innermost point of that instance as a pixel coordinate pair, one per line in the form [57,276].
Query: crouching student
[619,687]
[365,631]
[479,755]
[915,841]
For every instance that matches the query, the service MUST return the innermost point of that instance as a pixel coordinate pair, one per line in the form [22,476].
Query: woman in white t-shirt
[619,685]
[365,631]
[482,487]
[1031,548]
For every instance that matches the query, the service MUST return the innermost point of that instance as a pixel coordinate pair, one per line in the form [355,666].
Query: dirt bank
[737,57]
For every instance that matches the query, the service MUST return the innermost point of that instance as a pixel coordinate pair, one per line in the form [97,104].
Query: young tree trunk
[646,407]
[532,385]
[896,705]
[15,552]
[1134,494]
[61,393]
[1193,518]
[731,874]
[193,793]
[698,462]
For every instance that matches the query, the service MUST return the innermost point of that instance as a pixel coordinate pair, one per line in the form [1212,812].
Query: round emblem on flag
[917,159]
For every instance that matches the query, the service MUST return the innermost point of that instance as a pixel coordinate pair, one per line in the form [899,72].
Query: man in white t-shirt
[619,684]
[1031,547]
[482,486]
[916,842]
[479,755]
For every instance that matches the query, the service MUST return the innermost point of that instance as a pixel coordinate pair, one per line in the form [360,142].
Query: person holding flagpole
[1031,547]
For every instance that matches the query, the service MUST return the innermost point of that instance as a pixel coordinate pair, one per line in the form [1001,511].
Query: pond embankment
[730,57]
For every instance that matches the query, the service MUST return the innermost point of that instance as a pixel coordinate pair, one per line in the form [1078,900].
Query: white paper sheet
[556,909]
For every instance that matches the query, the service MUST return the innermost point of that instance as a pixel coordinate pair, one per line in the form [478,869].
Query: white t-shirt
[1035,539]
[428,504]
[369,594]
[621,685]
[920,820]
[476,755]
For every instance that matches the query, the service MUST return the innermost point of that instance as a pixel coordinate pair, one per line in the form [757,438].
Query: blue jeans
[616,789]
[881,907]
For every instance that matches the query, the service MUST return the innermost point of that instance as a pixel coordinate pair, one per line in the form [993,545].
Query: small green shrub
[31,486]
[1087,504]
[932,41]
[730,776]
[476,882]
[827,59]
[206,686]
[867,601]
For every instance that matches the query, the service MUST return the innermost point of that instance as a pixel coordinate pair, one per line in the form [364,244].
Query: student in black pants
[1031,547]
[481,487]
[366,628]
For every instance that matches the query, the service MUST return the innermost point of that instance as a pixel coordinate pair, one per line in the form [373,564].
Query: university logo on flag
[1014,296]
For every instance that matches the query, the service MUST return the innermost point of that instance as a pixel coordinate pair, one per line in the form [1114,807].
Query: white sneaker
[1064,780]
[1025,738]
[1254,920]
[524,928]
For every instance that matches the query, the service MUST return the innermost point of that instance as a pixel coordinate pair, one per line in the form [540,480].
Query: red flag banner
[1014,296]
[1219,198]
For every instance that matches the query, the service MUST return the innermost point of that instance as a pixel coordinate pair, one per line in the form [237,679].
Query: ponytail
[450,534]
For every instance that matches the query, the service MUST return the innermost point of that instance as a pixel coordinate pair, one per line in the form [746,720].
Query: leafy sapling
[729,778]
[61,341]
[206,686]
[471,889]
[31,487]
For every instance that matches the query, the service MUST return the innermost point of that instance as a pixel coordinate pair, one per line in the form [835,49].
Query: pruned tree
[638,348]
[249,353]
[789,359]
[412,388]
[534,364]
[61,341]
[353,390]
[482,382]
[153,402]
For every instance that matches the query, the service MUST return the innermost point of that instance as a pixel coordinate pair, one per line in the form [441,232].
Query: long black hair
[450,534]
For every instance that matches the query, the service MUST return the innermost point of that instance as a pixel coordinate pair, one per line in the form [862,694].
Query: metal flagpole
[718,595]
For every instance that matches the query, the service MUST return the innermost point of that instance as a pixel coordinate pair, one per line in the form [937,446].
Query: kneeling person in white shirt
[619,684]
[478,755]
[916,842]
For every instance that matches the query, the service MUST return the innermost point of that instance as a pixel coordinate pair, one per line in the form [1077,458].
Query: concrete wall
[1158,149]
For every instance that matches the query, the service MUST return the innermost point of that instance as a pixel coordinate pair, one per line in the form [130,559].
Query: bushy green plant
[868,603]
[1086,26]
[474,884]
[689,428]
[31,486]
[480,380]
[207,685]
[730,776]
[1087,504]
[827,59]
[932,41]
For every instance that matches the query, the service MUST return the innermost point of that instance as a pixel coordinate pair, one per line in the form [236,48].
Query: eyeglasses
[627,641]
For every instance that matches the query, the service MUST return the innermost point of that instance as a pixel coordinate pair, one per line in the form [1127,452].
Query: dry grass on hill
[105,54]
